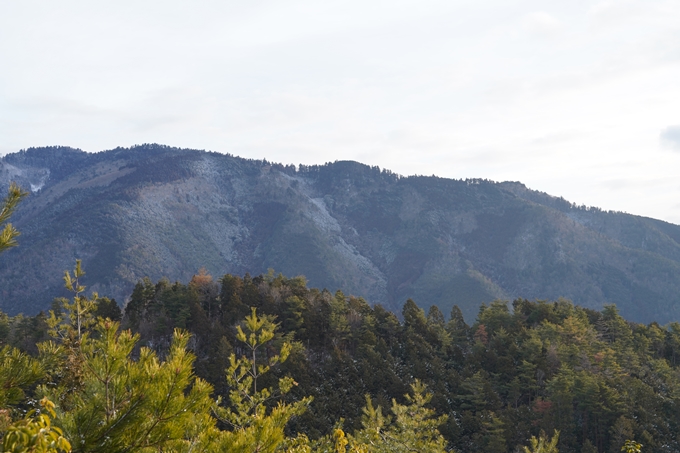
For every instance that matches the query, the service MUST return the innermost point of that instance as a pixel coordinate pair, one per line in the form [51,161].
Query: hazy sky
[579,99]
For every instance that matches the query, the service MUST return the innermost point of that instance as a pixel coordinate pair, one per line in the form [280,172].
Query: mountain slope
[158,211]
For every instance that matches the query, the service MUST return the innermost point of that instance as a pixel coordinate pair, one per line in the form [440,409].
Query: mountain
[157,211]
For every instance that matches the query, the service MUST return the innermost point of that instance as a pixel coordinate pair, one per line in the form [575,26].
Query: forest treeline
[303,369]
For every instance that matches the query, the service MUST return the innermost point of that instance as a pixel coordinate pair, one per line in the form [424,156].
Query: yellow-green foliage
[17,371]
[35,433]
[412,428]
[631,447]
[254,426]
[135,405]
[543,444]
[9,234]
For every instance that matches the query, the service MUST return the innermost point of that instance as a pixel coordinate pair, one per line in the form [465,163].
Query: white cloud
[614,12]
[670,137]
[542,24]
[564,96]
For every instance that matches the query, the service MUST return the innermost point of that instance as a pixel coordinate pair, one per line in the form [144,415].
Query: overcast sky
[579,99]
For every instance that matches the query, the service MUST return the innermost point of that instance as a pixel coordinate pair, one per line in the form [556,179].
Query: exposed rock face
[157,211]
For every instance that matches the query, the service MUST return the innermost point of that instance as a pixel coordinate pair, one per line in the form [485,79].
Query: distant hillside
[158,211]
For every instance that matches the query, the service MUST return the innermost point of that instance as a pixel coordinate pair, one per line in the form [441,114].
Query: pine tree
[254,425]
[34,433]
[18,371]
[543,444]
[9,234]
[125,405]
[413,427]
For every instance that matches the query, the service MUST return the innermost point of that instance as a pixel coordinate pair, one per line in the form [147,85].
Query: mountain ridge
[154,210]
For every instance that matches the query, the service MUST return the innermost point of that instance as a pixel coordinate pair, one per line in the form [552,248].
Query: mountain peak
[153,210]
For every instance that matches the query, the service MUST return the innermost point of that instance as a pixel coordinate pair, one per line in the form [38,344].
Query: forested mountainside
[157,211]
[515,371]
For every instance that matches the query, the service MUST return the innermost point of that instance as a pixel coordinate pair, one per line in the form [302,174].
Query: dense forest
[294,368]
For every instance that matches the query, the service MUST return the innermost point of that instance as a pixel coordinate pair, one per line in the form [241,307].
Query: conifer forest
[267,364]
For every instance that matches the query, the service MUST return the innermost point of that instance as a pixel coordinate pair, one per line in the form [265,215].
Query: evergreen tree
[543,444]
[412,428]
[9,234]
[253,425]
[125,405]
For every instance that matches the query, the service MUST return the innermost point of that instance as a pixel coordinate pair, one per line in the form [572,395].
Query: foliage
[414,427]
[631,447]
[107,402]
[593,376]
[9,234]
[254,426]
[543,444]
[513,375]
[18,371]
[142,405]
[79,311]
[35,433]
